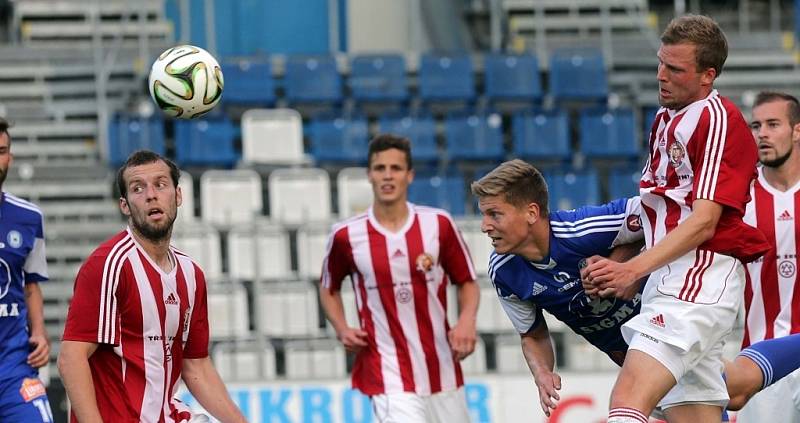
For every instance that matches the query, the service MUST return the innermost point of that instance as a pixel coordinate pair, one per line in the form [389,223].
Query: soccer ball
[185,82]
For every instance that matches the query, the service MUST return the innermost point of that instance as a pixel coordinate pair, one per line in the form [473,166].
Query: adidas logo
[398,253]
[171,299]
[658,321]
[785,215]
[537,289]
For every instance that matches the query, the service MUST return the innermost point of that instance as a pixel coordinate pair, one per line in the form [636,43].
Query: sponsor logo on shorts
[648,337]
[31,388]
[658,321]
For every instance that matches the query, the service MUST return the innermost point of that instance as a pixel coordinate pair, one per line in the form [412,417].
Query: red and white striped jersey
[145,322]
[400,283]
[772,294]
[703,151]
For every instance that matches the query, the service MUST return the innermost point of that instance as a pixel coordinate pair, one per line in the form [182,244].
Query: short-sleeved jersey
[145,322]
[400,279]
[22,260]
[772,294]
[525,288]
[703,151]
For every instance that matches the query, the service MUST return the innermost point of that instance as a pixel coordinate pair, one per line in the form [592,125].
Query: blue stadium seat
[541,135]
[313,79]
[623,183]
[578,74]
[474,137]
[248,82]
[339,140]
[420,130]
[609,134]
[127,134]
[569,190]
[446,78]
[443,191]
[205,143]
[378,78]
[511,77]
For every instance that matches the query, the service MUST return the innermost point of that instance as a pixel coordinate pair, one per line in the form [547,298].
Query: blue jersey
[526,288]
[22,260]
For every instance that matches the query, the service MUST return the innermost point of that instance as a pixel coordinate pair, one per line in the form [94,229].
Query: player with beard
[138,320]
[23,339]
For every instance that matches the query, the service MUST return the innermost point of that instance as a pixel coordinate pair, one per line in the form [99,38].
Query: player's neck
[158,251]
[392,216]
[785,176]
[538,246]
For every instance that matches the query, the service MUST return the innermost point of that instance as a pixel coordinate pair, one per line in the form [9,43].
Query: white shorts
[780,402]
[690,304]
[402,407]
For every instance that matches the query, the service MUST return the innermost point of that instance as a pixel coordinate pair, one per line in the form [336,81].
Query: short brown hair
[711,47]
[519,181]
[143,157]
[791,102]
[385,142]
[4,125]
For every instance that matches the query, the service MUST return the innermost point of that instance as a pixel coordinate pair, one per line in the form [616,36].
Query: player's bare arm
[464,334]
[203,381]
[538,351]
[353,339]
[620,253]
[73,365]
[696,229]
[38,339]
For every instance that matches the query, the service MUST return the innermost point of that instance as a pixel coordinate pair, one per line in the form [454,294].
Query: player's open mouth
[387,188]
[156,213]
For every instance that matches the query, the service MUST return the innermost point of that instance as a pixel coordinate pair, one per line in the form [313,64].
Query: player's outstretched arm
[73,365]
[206,386]
[38,334]
[353,339]
[538,351]
[464,334]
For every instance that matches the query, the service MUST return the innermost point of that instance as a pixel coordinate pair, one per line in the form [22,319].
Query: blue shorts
[23,399]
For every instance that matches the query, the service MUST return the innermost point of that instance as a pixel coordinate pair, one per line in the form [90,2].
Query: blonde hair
[711,47]
[518,181]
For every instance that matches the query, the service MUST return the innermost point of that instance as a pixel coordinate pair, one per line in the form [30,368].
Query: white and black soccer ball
[186,82]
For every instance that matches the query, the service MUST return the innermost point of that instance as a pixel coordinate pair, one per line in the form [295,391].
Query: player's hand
[462,339]
[548,383]
[353,339]
[591,289]
[613,279]
[41,350]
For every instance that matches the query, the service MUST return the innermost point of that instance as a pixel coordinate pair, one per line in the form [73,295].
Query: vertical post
[744,16]
[211,32]
[101,79]
[186,21]
[495,19]
[333,26]
[680,7]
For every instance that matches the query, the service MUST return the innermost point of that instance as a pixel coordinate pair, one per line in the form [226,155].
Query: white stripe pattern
[106,325]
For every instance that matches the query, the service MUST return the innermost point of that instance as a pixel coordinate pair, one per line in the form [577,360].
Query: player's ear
[178,196]
[708,76]
[123,206]
[534,213]
[796,133]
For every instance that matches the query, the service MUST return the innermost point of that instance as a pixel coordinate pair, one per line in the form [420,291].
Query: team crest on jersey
[634,223]
[31,388]
[403,295]
[676,153]
[14,239]
[786,269]
[424,263]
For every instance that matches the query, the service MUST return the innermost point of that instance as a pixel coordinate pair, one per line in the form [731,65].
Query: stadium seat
[508,354]
[582,356]
[201,242]
[312,79]
[339,140]
[353,190]
[446,78]
[475,363]
[578,74]
[480,246]
[248,82]
[512,77]
[312,240]
[186,210]
[287,309]
[444,191]
[242,361]
[272,137]
[491,316]
[420,130]
[297,196]
[229,304]
[541,135]
[474,137]
[229,197]
[569,190]
[315,359]
[623,183]
[127,134]
[259,251]
[205,142]
[378,78]
[609,134]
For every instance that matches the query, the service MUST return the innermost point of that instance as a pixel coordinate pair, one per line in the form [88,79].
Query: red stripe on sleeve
[765,218]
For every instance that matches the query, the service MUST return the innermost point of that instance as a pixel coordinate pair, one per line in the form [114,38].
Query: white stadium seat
[200,242]
[228,312]
[480,246]
[582,355]
[287,309]
[475,363]
[297,196]
[259,251]
[186,210]
[491,316]
[315,359]
[312,240]
[244,361]
[272,136]
[508,354]
[354,192]
[228,197]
